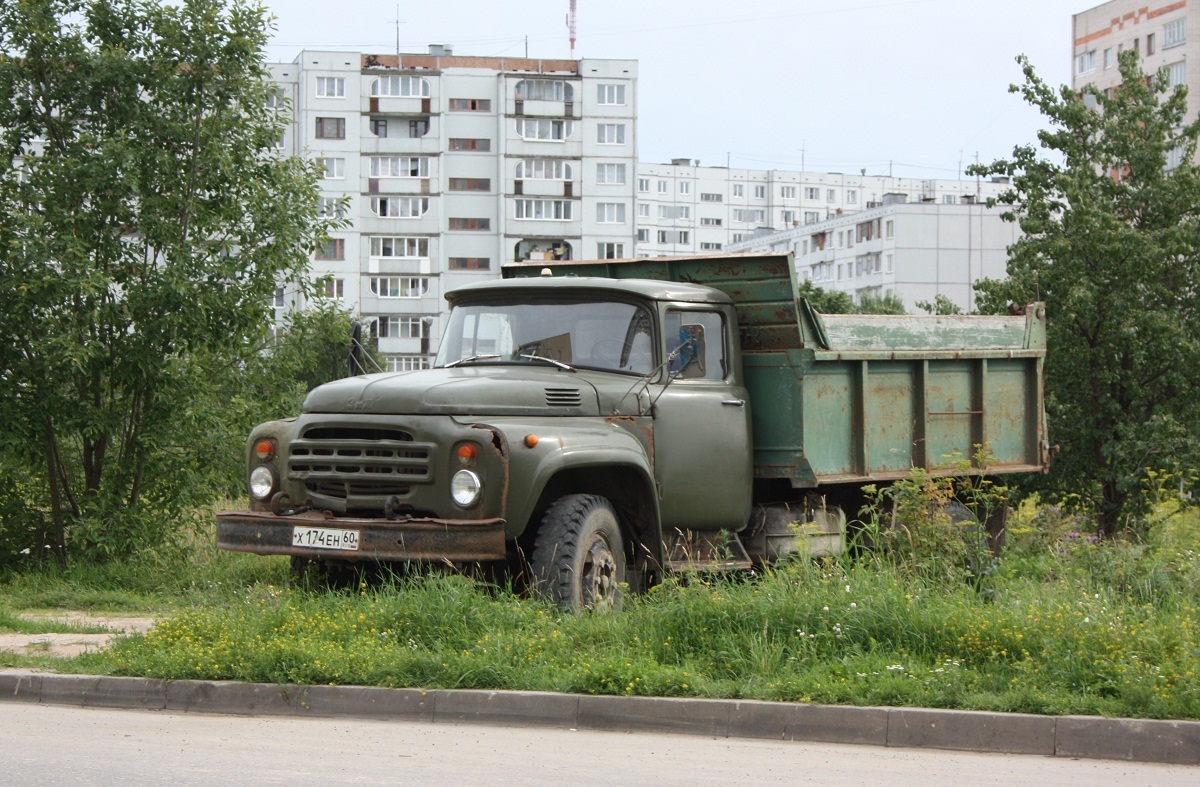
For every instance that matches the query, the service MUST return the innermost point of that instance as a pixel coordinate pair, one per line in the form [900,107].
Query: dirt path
[67,645]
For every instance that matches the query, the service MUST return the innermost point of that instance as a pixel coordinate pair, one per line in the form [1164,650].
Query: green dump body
[842,399]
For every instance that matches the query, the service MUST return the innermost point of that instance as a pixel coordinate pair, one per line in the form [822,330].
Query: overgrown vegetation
[1110,210]
[1064,623]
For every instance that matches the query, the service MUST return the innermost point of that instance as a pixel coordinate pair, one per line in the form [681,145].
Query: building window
[610,212]
[406,363]
[459,143]
[685,187]
[400,86]
[334,288]
[331,87]
[470,184]
[674,211]
[390,246]
[1108,58]
[276,98]
[543,169]
[332,206]
[400,286]
[612,95]
[749,216]
[476,225]
[851,197]
[418,128]
[643,185]
[335,168]
[789,217]
[1174,33]
[787,192]
[407,327]
[1177,73]
[811,216]
[544,129]
[545,90]
[739,190]
[673,236]
[610,251]
[610,133]
[812,192]
[399,207]
[708,246]
[643,209]
[760,192]
[470,105]
[379,127]
[949,199]
[610,173]
[1085,62]
[643,235]
[662,187]
[470,263]
[548,209]
[708,196]
[831,195]
[331,128]
[738,237]
[889,228]
[1149,44]
[399,166]
[332,249]
[711,222]
[278,302]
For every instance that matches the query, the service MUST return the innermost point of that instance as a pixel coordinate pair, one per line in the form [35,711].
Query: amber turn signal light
[531,440]
[265,450]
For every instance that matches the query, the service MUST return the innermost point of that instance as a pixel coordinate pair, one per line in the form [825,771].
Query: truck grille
[344,462]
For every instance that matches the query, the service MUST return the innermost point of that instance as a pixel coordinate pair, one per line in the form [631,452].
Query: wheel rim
[599,575]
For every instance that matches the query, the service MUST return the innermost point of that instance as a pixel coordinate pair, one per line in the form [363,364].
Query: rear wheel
[578,556]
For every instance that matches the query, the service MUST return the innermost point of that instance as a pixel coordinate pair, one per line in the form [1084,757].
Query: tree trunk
[56,503]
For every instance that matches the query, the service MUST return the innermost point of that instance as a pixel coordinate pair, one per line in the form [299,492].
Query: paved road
[49,744]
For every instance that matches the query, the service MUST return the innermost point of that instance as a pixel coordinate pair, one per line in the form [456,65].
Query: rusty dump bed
[857,398]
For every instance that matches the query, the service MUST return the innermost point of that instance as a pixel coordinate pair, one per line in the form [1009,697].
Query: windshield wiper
[471,358]
[559,364]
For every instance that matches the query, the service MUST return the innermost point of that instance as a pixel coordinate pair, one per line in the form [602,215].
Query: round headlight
[465,487]
[262,482]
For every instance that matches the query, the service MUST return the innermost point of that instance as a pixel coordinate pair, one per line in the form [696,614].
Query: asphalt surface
[55,744]
[1139,740]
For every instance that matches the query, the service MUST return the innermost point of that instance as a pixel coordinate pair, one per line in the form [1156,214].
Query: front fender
[568,444]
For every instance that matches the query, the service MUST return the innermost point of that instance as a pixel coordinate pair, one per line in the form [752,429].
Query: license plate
[325,538]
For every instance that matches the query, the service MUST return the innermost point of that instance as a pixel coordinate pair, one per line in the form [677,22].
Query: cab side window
[698,339]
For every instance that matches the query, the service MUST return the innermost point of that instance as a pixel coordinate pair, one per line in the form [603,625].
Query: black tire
[578,557]
[315,574]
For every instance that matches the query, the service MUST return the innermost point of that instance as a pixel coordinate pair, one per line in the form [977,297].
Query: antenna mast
[571,27]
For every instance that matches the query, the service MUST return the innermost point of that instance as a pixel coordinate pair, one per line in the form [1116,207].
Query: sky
[911,88]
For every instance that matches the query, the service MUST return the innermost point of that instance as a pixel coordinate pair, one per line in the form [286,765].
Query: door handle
[734,402]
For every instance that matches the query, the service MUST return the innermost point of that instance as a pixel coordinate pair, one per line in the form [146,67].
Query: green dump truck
[593,424]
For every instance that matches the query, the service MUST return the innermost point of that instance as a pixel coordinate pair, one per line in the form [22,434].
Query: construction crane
[571,27]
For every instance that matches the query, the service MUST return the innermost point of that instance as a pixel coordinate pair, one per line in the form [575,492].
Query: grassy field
[1061,625]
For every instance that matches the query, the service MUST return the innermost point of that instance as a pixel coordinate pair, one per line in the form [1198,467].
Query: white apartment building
[915,250]
[448,166]
[1156,30]
[683,208]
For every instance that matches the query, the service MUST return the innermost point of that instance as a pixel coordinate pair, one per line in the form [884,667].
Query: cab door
[702,451]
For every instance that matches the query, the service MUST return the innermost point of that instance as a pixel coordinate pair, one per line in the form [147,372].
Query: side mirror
[691,351]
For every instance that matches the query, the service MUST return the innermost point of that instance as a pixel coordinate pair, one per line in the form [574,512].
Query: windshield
[608,335]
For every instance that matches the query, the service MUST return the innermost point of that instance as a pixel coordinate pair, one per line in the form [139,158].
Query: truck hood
[473,390]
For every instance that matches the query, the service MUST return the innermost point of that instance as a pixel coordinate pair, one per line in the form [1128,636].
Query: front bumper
[456,540]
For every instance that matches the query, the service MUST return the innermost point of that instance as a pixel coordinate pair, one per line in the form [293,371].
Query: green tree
[1110,210]
[826,301]
[880,304]
[939,305]
[145,221]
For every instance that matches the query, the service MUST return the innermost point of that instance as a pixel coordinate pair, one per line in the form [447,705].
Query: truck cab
[567,425]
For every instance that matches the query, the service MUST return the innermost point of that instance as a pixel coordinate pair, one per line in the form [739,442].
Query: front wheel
[578,558]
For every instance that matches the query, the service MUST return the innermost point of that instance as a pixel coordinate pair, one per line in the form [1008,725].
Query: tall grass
[1063,624]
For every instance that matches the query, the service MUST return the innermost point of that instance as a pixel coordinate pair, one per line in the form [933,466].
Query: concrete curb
[1141,740]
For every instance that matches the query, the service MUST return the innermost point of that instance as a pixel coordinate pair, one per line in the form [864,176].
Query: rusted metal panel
[378,539]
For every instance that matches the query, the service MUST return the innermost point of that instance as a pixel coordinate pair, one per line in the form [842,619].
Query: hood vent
[563,397]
